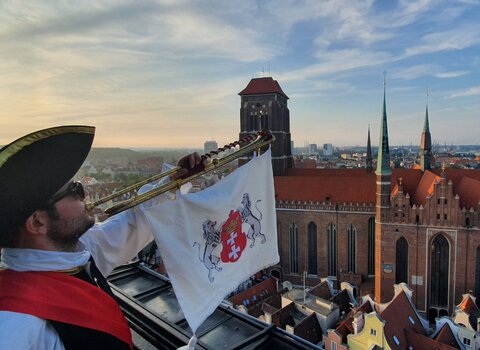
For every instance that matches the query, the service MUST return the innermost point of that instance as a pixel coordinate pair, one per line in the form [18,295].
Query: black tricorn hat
[36,166]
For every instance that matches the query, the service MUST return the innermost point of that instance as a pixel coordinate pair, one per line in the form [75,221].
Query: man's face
[69,220]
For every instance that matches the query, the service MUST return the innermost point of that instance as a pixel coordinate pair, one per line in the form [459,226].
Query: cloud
[420,70]
[456,39]
[473,91]
[334,61]
[452,74]
[416,71]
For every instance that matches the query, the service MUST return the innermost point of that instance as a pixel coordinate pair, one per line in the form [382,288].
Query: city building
[210,146]
[328,149]
[420,226]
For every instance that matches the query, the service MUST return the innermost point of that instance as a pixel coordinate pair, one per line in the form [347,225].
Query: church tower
[264,106]
[426,145]
[384,278]
[369,164]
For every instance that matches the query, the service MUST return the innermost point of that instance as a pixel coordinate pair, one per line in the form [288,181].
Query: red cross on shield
[233,239]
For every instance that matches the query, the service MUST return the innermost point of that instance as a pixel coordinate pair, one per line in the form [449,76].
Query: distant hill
[124,155]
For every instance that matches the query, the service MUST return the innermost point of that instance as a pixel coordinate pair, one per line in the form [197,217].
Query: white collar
[43,260]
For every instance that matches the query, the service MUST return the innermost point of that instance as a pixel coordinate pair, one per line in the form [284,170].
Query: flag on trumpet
[212,240]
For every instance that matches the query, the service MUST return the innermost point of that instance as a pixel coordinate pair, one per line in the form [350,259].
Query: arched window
[352,248]
[312,248]
[440,261]
[293,240]
[401,261]
[252,122]
[332,249]
[264,121]
[371,246]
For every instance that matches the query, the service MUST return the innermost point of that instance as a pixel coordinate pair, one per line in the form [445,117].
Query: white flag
[213,240]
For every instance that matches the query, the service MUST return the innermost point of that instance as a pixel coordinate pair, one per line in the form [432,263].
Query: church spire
[383,160]
[426,143]
[383,281]
[369,164]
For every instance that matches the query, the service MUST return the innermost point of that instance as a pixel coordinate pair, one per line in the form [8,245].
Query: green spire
[383,160]
[426,127]
[426,143]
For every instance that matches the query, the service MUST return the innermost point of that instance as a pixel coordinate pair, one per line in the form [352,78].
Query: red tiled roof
[410,179]
[468,305]
[359,186]
[419,341]
[445,336]
[397,317]
[321,290]
[425,187]
[334,189]
[469,192]
[345,328]
[259,86]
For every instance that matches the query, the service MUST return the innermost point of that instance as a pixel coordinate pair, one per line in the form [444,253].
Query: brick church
[371,228]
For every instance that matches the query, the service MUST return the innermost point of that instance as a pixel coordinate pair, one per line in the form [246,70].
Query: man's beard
[65,233]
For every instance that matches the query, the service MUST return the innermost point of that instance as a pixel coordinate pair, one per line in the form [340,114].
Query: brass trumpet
[247,144]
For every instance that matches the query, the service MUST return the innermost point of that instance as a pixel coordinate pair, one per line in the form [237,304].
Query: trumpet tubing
[252,142]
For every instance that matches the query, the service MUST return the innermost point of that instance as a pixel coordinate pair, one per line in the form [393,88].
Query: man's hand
[191,163]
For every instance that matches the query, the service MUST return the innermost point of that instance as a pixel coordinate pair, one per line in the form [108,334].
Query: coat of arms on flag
[213,240]
[231,237]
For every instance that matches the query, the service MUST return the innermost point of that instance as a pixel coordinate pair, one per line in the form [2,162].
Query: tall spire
[426,143]
[383,160]
[369,164]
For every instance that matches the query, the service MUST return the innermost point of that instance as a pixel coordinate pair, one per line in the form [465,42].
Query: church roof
[358,186]
[332,185]
[468,190]
[261,86]
[425,187]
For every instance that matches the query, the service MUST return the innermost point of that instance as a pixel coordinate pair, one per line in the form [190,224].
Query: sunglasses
[73,188]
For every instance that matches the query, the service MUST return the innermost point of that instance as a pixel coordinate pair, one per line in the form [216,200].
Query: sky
[167,73]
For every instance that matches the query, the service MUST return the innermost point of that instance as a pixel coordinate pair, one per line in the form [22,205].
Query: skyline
[166,74]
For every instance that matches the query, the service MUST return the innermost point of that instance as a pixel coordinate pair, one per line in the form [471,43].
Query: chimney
[358,322]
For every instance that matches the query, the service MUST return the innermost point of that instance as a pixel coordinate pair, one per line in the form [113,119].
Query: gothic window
[293,240]
[264,121]
[312,248]
[417,219]
[371,246]
[351,246]
[252,121]
[332,249]
[440,257]
[401,261]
